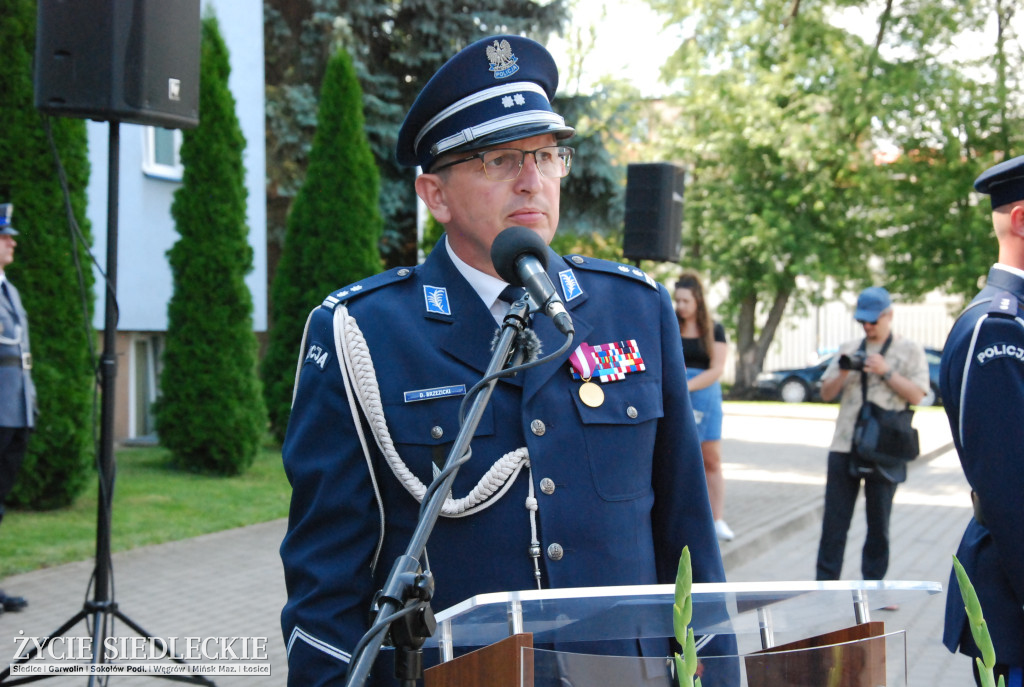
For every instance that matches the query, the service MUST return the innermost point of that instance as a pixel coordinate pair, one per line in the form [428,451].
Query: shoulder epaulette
[1004,304]
[609,267]
[364,286]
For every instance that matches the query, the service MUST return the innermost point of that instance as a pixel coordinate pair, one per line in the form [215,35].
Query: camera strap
[864,375]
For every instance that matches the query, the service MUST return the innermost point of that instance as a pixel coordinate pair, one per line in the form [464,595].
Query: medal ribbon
[608,362]
[582,361]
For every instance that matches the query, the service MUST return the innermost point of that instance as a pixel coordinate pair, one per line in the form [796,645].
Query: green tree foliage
[333,230]
[951,120]
[783,113]
[396,46]
[210,414]
[593,195]
[45,271]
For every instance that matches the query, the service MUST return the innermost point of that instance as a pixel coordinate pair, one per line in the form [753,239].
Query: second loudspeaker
[654,211]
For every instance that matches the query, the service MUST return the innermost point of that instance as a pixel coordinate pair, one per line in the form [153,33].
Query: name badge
[436,392]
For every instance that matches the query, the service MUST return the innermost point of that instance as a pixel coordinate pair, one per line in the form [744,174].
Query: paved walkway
[230,584]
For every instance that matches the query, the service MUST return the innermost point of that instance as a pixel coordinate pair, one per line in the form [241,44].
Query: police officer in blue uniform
[585,471]
[17,393]
[982,383]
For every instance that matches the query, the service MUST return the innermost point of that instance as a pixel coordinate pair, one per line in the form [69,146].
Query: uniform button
[631,412]
[436,432]
[577,259]
[555,552]
[547,485]
[403,272]
[538,428]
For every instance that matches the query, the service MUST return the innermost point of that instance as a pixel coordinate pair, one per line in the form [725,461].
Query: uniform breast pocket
[620,437]
[423,432]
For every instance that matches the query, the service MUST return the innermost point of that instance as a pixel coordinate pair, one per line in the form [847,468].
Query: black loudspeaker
[654,211]
[119,60]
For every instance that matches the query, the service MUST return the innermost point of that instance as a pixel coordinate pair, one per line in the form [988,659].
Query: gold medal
[591,394]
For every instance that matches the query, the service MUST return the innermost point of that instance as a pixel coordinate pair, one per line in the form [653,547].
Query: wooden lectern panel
[502,664]
[833,660]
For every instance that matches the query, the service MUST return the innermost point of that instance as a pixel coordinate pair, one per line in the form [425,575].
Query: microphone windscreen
[510,245]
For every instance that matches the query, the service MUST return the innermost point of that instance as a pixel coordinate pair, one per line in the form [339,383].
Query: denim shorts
[707,409]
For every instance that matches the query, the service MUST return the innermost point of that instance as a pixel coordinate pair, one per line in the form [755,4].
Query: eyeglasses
[505,164]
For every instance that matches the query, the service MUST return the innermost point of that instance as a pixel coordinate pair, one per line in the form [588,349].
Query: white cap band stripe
[476,98]
[507,121]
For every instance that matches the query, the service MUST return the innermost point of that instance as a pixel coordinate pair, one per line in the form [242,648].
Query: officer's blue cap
[1003,182]
[871,303]
[6,210]
[496,90]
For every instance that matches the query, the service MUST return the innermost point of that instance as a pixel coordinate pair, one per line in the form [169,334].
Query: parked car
[802,384]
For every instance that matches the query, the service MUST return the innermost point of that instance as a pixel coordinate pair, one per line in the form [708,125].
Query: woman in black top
[704,348]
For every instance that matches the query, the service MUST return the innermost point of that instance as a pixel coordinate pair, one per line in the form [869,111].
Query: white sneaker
[723,531]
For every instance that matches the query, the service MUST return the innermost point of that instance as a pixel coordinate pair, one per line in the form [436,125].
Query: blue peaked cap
[496,90]
[871,303]
[1003,182]
[6,229]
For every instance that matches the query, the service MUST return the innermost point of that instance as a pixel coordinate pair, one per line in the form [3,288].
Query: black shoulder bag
[883,440]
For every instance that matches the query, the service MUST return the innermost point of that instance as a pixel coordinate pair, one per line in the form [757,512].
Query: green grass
[153,503]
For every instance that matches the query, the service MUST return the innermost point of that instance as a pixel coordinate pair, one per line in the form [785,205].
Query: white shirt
[486,286]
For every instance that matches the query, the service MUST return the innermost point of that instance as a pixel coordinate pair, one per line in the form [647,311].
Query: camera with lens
[854,361]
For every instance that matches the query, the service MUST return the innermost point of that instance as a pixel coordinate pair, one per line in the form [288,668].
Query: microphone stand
[407,592]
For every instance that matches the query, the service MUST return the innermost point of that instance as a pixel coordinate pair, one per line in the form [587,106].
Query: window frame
[159,170]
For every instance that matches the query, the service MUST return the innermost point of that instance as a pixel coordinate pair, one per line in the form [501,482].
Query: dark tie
[510,294]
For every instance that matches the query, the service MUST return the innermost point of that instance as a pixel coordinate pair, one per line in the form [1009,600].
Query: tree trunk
[751,349]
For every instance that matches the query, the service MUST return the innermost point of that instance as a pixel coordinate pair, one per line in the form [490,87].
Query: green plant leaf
[976,620]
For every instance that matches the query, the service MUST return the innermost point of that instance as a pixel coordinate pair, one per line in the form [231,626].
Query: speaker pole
[108,375]
[102,608]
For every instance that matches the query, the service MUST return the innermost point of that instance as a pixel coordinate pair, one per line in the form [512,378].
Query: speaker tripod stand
[102,609]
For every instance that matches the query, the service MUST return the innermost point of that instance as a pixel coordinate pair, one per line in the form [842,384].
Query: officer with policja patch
[585,471]
[982,384]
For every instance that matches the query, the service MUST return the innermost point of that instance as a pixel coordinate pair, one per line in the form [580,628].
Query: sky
[632,43]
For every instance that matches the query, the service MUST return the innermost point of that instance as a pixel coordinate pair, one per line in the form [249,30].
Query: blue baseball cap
[498,89]
[871,303]
[1004,182]
[6,210]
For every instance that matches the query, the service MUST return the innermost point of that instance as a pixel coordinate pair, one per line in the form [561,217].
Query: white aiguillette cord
[361,387]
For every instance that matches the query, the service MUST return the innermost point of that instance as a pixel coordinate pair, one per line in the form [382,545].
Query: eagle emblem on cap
[503,62]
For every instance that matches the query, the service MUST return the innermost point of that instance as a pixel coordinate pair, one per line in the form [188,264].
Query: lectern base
[851,657]
[502,664]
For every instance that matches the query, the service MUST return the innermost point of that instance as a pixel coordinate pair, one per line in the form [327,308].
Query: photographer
[896,374]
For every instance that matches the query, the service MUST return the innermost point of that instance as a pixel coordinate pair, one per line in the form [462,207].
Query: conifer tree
[211,414]
[59,305]
[333,229]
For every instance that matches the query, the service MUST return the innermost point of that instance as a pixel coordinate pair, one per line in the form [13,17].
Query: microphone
[520,257]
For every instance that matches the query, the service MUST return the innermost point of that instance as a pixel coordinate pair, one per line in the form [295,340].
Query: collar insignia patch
[570,287]
[437,300]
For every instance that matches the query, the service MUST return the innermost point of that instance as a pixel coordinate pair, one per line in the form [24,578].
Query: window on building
[161,148]
[147,350]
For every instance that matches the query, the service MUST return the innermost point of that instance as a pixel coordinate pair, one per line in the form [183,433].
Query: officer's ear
[431,190]
[1017,220]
